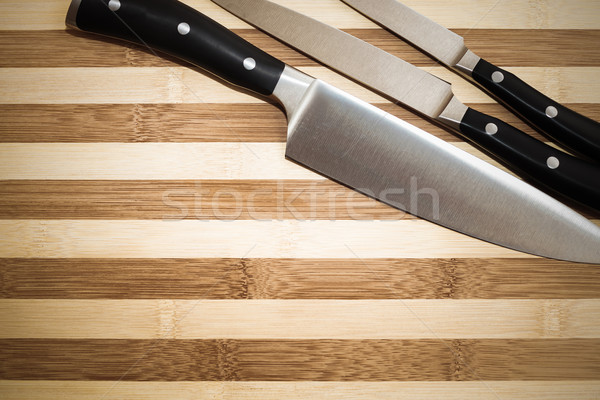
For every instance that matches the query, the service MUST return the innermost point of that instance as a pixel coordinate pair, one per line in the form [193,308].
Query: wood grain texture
[181,123]
[193,199]
[170,85]
[305,294]
[204,200]
[178,123]
[300,360]
[347,279]
[237,390]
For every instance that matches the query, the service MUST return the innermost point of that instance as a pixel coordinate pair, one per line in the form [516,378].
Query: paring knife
[573,130]
[421,91]
[355,143]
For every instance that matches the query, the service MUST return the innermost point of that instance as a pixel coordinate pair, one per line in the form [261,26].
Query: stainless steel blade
[374,67]
[441,43]
[379,155]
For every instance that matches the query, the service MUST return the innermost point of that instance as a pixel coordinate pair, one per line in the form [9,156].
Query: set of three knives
[362,147]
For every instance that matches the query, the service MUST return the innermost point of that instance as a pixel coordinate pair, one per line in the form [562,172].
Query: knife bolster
[467,63]
[291,89]
[71,20]
[453,114]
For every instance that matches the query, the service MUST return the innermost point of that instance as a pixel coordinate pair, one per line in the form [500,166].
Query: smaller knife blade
[425,93]
[574,131]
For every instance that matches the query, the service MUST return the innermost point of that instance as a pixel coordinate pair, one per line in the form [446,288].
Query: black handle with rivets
[552,168]
[177,29]
[562,124]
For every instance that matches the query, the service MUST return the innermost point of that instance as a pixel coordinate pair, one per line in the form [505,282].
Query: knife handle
[177,29]
[562,124]
[570,176]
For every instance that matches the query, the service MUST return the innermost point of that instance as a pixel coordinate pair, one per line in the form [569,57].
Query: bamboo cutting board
[155,244]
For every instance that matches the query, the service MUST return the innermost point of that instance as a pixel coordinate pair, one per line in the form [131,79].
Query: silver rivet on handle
[183,28]
[491,129]
[552,162]
[114,5]
[249,63]
[551,112]
[497,77]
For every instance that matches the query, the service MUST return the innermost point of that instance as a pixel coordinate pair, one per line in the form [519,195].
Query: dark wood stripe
[142,123]
[93,123]
[175,200]
[202,200]
[347,279]
[506,47]
[300,360]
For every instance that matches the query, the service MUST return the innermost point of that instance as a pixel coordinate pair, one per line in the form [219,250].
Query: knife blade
[572,130]
[425,93]
[355,143]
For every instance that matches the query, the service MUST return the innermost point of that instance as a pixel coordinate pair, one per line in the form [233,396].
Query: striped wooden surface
[155,244]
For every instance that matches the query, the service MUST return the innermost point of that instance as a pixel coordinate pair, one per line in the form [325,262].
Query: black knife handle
[177,29]
[554,169]
[562,124]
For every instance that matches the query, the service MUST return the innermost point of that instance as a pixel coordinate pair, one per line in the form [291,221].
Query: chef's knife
[427,94]
[564,125]
[355,143]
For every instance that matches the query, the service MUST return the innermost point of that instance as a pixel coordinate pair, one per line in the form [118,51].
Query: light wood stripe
[31,123]
[505,47]
[301,360]
[158,161]
[554,14]
[126,85]
[482,390]
[349,279]
[149,161]
[239,239]
[114,85]
[299,319]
